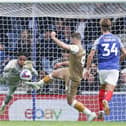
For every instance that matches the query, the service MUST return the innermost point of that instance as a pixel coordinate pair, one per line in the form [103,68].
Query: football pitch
[59,123]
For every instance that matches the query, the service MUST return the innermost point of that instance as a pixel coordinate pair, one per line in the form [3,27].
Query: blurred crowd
[32,35]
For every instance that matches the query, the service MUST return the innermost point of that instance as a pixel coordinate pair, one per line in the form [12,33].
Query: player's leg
[101,97]
[48,78]
[102,77]
[2,80]
[8,97]
[71,92]
[108,95]
[57,74]
[111,82]
[109,92]
[109,79]
[32,84]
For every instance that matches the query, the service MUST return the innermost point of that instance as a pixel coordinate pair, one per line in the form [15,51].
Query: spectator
[25,43]
[123,39]
[92,31]
[2,57]
[92,83]
[94,76]
[47,49]
[67,34]
[5,52]
[122,83]
[59,24]
[118,26]
[80,27]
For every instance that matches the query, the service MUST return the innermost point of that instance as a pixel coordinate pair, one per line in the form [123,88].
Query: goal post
[26,25]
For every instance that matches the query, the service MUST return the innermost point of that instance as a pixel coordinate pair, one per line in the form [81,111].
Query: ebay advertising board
[55,107]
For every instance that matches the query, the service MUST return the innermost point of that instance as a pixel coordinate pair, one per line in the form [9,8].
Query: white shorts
[109,76]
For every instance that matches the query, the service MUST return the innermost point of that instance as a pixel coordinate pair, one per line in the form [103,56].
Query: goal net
[27,26]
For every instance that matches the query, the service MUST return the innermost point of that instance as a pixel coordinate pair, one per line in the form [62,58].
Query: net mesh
[64,10]
[27,27]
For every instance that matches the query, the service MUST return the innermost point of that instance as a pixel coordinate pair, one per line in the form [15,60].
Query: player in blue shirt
[108,48]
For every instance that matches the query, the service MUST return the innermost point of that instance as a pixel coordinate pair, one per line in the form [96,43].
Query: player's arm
[124,54]
[60,64]
[73,48]
[29,65]
[91,55]
[9,67]
[86,71]
[34,71]
[59,42]
[89,59]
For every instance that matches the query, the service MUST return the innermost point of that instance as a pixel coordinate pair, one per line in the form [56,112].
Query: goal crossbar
[61,1]
[63,10]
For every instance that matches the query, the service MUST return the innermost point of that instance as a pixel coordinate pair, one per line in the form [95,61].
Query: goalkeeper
[11,76]
[72,74]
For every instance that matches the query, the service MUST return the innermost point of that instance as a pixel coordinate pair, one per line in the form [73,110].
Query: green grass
[60,123]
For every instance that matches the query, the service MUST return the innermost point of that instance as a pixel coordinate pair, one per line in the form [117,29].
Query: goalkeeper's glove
[28,65]
[34,71]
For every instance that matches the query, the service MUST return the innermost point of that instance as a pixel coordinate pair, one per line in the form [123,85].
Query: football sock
[46,79]
[80,107]
[7,99]
[87,111]
[108,95]
[101,97]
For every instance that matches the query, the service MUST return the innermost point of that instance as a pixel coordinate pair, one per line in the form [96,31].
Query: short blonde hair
[105,24]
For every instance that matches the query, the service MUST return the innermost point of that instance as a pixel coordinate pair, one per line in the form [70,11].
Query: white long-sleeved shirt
[12,72]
